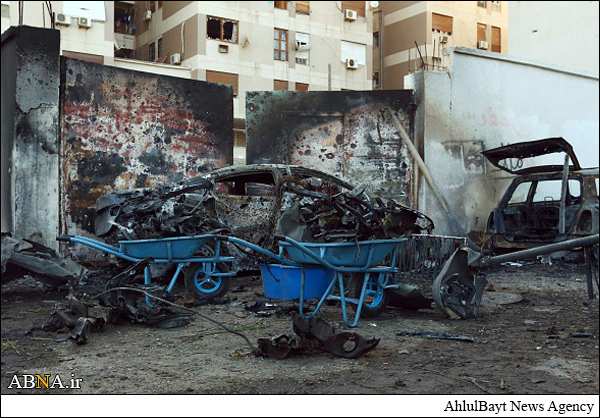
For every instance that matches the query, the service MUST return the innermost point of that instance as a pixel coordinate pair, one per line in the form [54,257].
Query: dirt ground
[521,348]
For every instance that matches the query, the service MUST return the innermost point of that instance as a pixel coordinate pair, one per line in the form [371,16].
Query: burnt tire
[376,298]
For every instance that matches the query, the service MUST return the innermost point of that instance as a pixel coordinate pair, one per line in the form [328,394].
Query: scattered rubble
[435,335]
[22,256]
[315,334]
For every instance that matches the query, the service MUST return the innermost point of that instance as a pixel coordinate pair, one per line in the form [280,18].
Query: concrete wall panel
[124,129]
[30,109]
[347,134]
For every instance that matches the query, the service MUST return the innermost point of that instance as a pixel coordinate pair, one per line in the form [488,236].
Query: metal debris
[22,256]
[408,297]
[436,335]
[179,210]
[348,216]
[314,334]
[83,314]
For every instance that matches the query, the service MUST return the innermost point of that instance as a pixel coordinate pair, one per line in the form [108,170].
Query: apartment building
[260,45]
[410,36]
[250,45]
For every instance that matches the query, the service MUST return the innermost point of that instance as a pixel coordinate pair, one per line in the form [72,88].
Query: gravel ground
[523,347]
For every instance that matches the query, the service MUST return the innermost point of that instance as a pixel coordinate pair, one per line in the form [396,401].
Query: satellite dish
[374,4]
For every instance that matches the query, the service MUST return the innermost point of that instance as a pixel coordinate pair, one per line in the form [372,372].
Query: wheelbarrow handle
[65,238]
[279,237]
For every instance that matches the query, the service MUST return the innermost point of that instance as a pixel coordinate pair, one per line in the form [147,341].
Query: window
[496,6]
[359,6]
[280,85]
[221,29]
[521,193]
[302,48]
[160,4]
[441,23]
[303,7]
[152,52]
[547,191]
[496,39]
[281,5]
[481,33]
[160,48]
[375,39]
[301,87]
[223,78]
[375,80]
[482,4]
[280,44]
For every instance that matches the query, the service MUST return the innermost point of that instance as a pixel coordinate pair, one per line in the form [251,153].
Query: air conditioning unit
[443,39]
[302,46]
[301,61]
[63,19]
[224,49]
[350,14]
[148,15]
[482,45]
[175,59]
[84,22]
[351,63]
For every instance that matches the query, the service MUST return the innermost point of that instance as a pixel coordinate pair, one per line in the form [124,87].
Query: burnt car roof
[533,149]
[229,172]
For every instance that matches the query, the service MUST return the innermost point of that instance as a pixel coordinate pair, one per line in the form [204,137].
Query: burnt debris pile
[180,210]
[348,216]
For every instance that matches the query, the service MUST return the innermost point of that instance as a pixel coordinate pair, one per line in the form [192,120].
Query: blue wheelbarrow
[369,280]
[207,275]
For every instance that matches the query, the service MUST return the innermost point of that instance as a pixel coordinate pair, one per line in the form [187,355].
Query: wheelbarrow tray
[364,254]
[179,248]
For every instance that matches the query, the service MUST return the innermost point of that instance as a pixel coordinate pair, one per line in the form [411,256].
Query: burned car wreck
[248,201]
[544,203]
[253,202]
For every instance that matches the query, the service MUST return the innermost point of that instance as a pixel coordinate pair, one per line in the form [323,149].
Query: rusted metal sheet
[124,129]
[348,134]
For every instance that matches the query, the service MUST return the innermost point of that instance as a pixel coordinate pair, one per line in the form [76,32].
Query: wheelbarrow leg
[175,276]
[323,298]
[360,301]
[148,281]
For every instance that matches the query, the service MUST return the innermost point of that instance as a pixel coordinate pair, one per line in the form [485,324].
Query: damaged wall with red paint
[348,134]
[124,129]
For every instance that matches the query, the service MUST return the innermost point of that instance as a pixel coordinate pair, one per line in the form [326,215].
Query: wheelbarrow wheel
[200,280]
[206,286]
[376,297]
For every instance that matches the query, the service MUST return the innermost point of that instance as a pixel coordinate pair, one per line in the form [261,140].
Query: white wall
[556,32]
[487,100]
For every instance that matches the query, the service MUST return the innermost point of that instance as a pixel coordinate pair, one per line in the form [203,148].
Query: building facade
[567,35]
[410,36]
[260,45]
[252,46]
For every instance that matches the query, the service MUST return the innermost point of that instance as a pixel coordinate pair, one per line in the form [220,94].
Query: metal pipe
[563,197]
[421,164]
[543,250]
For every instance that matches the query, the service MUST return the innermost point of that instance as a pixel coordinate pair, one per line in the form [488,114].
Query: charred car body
[545,203]
[252,203]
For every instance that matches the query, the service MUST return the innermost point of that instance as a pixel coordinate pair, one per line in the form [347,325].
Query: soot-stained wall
[123,129]
[347,133]
[30,133]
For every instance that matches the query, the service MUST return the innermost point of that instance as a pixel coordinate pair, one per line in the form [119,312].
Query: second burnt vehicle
[544,203]
[252,203]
